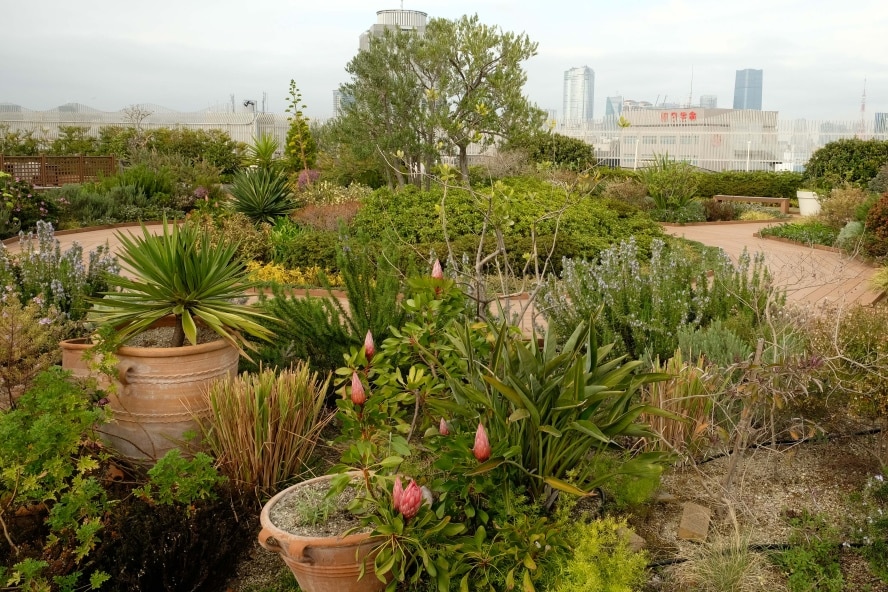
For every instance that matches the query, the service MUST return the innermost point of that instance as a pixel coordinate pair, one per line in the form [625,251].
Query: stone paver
[809,275]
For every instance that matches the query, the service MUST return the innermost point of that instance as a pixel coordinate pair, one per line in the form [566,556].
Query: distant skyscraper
[881,123]
[613,107]
[405,20]
[340,100]
[709,101]
[748,90]
[579,94]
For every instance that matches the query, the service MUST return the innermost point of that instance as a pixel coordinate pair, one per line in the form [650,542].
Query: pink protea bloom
[482,444]
[443,428]
[437,272]
[411,500]
[397,493]
[369,346]
[358,395]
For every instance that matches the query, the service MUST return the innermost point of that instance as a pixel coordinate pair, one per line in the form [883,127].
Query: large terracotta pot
[160,392]
[321,564]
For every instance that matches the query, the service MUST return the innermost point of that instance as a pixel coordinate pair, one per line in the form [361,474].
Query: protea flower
[482,444]
[411,500]
[358,395]
[443,428]
[369,346]
[397,493]
[437,272]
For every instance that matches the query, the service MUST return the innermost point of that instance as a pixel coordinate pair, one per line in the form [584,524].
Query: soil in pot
[308,511]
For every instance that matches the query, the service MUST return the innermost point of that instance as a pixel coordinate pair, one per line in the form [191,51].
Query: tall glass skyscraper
[579,94]
[748,90]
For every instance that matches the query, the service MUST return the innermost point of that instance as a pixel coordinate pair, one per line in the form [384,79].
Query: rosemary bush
[642,305]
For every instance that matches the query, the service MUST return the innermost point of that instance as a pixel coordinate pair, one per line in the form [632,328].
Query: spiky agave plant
[263,194]
[180,273]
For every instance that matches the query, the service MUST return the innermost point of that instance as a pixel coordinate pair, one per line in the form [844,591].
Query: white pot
[809,203]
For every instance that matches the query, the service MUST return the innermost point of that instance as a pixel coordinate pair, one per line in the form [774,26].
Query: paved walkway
[809,275]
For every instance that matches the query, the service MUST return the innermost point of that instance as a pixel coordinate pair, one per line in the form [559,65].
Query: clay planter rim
[299,543]
[84,343]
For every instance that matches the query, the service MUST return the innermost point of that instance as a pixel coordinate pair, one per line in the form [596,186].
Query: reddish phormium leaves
[437,272]
[482,444]
[358,395]
[369,346]
[410,501]
[443,428]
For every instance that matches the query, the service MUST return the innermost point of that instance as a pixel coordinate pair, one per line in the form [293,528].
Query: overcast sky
[191,54]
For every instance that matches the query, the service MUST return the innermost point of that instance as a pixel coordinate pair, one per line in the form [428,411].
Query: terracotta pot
[321,564]
[160,392]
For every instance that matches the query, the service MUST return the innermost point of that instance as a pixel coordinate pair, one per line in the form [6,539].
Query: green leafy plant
[849,160]
[262,428]
[263,152]
[809,233]
[601,559]
[811,561]
[48,466]
[263,194]
[548,410]
[670,183]
[872,529]
[175,479]
[180,273]
[28,343]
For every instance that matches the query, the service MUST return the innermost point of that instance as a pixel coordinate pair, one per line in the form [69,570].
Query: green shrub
[841,206]
[750,183]
[176,480]
[811,562]
[641,303]
[48,457]
[602,560]
[307,248]
[849,160]
[810,232]
[850,236]
[671,184]
[717,343]
[872,529]
[254,242]
[628,191]
[879,183]
[560,150]
[690,212]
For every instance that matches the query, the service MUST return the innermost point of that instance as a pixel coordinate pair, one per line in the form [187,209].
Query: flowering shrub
[472,418]
[21,206]
[642,304]
[306,277]
[57,280]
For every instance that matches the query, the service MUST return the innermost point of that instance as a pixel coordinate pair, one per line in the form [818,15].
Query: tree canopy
[413,97]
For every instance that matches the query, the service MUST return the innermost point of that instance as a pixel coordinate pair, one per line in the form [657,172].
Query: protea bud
[482,444]
[369,346]
[437,272]
[358,395]
[411,500]
[443,428]
[397,493]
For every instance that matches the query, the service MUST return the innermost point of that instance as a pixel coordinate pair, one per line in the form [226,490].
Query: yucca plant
[263,153]
[263,194]
[263,427]
[547,410]
[179,273]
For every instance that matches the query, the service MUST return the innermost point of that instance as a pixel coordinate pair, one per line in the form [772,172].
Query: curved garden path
[809,275]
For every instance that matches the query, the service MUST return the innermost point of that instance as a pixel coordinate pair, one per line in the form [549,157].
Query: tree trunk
[464,163]
[178,333]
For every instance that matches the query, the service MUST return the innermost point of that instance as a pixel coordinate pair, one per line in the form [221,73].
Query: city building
[881,123]
[748,89]
[709,101]
[405,20]
[340,100]
[613,106]
[579,95]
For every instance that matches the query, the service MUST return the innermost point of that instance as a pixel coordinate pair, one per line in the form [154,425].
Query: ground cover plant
[811,232]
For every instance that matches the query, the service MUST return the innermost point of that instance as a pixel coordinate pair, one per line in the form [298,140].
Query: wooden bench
[783,202]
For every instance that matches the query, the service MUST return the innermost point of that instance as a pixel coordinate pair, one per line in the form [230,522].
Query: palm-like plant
[263,194]
[263,152]
[180,273]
